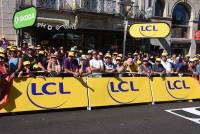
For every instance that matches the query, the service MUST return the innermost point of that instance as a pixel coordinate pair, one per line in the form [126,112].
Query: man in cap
[89,54]
[41,60]
[145,68]
[96,65]
[30,56]
[84,68]
[167,65]
[130,66]
[26,71]
[54,67]
[114,56]
[157,68]
[119,65]
[71,64]
[109,66]
[15,63]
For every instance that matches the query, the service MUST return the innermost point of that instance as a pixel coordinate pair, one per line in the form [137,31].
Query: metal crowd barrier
[115,74]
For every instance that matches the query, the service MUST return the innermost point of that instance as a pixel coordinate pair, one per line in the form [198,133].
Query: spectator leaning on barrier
[191,67]
[42,60]
[109,66]
[145,68]
[167,65]
[84,68]
[119,67]
[130,66]
[53,66]
[114,56]
[26,71]
[157,68]
[96,64]
[179,65]
[71,65]
[15,63]
[30,56]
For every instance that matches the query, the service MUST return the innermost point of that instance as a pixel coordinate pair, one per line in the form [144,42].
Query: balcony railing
[180,31]
[98,6]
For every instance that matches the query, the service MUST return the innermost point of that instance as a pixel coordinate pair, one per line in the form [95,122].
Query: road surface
[135,119]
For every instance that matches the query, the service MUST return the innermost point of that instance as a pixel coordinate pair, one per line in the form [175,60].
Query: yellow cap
[26,63]
[83,57]
[41,52]
[71,53]
[120,55]
[158,59]
[108,55]
[14,46]
[139,62]
[164,54]
[2,55]
[191,60]
[2,50]
[13,49]
[9,47]
[35,66]
[196,59]
[187,56]
[115,53]
[118,58]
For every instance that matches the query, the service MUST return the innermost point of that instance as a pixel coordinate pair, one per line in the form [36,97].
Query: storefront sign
[150,30]
[57,27]
[197,35]
[25,18]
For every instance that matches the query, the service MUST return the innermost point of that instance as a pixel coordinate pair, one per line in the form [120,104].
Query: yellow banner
[44,94]
[117,91]
[175,88]
[56,93]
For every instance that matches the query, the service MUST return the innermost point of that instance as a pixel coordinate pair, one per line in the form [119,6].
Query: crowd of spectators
[36,60]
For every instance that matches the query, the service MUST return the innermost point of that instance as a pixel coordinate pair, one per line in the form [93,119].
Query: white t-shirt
[96,63]
[167,66]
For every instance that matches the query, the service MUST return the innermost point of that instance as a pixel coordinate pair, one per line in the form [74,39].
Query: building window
[159,8]
[180,19]
[149,3]
[180,15]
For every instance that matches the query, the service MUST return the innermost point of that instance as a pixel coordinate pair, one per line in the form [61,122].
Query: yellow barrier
[56,93]
[43,94]
[116,91]
[175,88]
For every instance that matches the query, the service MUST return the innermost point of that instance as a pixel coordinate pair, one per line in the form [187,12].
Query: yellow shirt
[131,68]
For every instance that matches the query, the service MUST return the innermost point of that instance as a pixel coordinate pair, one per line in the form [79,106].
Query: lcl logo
[45,91]
[123,91]
[178,84]
[47,95]
[148,28]
[178,89]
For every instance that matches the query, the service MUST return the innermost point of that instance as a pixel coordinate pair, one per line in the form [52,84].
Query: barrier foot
[89,108]
[153,103]
[190,100]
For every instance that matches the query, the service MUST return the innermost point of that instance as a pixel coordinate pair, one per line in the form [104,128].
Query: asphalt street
[135,119]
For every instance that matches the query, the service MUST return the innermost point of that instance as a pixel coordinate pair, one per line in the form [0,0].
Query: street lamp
[128,7]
